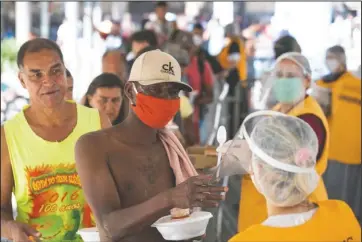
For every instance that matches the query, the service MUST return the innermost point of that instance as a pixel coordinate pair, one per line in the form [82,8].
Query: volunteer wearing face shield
[287,85]
[280,153]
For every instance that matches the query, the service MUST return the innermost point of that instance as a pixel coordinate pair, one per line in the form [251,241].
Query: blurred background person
[198,74]
[142,41]
[160,25]
[114,62]
[110,32]
[339,92]
[286,44]
[183,120]
[70,82]
[200,77]
[286,176]
[233,59]
[106,93]
[202,51]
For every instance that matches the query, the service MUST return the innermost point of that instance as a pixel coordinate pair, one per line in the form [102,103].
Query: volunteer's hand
[196,192]
[21,232]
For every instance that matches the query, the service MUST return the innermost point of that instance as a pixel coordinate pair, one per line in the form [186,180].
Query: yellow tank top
[333,221]
[242,65]
[47,187]
[252,206]
[345,119]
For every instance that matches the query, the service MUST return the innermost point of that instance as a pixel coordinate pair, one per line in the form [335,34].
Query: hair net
[279,151]
[298,59]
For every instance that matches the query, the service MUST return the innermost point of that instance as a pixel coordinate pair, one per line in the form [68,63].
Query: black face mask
[332,77]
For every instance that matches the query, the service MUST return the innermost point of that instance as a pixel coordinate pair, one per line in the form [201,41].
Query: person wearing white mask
[233,58]
[279,152]
[202,46]
[198,32]
[339,93]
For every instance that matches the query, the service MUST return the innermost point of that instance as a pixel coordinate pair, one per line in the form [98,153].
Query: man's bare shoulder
[100,139]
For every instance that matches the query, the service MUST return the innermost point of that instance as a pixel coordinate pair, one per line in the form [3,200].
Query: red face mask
[155,112]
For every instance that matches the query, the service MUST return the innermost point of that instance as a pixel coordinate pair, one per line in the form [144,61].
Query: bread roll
[178,213]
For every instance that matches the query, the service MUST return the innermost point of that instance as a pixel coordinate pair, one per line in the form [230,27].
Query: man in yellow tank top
[288,83]
[37,152]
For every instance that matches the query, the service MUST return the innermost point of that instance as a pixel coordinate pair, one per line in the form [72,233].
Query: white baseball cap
[154,67]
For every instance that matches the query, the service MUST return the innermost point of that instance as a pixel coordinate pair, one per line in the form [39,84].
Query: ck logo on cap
[167,68]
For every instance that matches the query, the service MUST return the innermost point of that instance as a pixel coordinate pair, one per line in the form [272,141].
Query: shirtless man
[125,170]
[37,152]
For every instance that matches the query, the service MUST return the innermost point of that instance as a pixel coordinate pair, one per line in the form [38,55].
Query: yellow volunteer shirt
[333,221]
[345,119]
[242,65]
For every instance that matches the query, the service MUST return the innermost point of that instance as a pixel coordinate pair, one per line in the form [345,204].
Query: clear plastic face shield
[278,151]
[287,83]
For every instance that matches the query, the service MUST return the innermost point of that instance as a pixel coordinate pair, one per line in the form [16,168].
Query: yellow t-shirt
[345,119]
[185,107]
[47,187]
[333,221]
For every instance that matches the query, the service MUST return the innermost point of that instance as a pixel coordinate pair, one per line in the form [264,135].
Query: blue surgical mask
[288,90]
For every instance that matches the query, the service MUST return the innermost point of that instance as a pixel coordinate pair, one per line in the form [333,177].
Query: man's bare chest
[141,174]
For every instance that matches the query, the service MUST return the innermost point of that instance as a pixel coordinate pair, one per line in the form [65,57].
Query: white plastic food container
[183,229]
[89,234]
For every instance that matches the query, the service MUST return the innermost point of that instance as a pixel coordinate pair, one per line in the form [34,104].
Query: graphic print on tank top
[57,202]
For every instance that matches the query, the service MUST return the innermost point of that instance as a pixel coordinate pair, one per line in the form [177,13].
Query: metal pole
[87,23]
[44,19]
[236,111]
[69,48]
[22,22]
[2,19]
